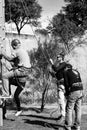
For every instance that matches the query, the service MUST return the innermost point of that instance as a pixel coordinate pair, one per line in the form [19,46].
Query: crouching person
[74,88]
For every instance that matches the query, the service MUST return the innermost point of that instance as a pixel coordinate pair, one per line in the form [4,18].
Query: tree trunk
[44,97]
[18,31]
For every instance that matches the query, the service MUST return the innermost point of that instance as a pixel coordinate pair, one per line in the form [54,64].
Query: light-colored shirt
[23,57]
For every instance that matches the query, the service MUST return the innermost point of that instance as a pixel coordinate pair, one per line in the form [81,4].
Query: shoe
[18,113]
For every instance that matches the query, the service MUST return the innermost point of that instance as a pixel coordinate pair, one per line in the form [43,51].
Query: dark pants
[16,97]
[20,85]
[4,109]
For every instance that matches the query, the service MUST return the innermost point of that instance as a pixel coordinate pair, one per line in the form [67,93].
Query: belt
[76,86]
[23,68]
[79,84]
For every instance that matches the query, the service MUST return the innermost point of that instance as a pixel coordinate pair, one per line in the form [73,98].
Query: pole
[2,46]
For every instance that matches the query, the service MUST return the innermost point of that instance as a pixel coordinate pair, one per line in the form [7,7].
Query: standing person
[17,75]
[60,84]
[74,87]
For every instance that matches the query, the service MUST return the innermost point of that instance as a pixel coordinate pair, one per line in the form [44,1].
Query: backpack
[72,80]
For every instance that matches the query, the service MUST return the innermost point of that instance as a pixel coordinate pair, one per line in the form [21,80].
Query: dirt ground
[30,119]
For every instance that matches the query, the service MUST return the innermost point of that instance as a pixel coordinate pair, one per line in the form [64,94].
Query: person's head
[15,44]
[60,57]
[69,66]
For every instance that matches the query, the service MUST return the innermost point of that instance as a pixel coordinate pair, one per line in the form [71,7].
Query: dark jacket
[60,70]
[72,81]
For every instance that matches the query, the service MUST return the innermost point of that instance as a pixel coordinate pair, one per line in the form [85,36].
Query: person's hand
[51,61]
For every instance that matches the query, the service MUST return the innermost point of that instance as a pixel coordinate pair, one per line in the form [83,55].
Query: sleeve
[61,66]
[66,83]
[54,68]
[52,74]
[9,58]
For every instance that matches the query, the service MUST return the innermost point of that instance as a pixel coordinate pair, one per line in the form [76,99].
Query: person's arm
[53,66]
[51,61]
[51,70]
[58,68]
[61,66]
[66,83]
[52,74]
[8,58]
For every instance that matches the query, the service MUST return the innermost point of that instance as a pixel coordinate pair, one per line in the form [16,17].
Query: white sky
[50,8]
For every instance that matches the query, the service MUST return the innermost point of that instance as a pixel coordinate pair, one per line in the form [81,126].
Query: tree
[70,22]
[76,12]
[22,12]
[62,28]
[40,59]
[42,32]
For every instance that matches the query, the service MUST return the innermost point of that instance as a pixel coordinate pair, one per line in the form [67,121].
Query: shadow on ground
[43,123]
[33,119]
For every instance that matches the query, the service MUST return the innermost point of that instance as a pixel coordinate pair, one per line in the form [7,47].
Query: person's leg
[4,109]
[16,97]
[62,102]
[69,110]
[62,105]
[78,114]
[5,82]
[61,99]
[5,88]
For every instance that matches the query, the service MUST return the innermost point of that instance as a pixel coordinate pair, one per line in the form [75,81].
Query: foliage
[22,12]
[40,61]
[42,32]
[70,22]
[40,57]
[76,11]
[52,97]
[63,28]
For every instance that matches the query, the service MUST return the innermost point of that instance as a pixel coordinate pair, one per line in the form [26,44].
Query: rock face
[78,58]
